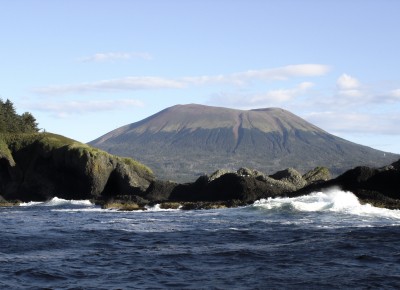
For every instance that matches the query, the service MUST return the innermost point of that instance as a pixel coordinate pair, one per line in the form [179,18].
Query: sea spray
[55,201]
[332,200]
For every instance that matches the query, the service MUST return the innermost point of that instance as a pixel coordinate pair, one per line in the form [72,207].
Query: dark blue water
[326,241]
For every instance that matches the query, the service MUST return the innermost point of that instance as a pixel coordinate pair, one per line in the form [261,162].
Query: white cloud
[280,73]
[268,99]
[346,82]
[349,86]
[281,95]
[63,109]
[113,56]
[351,93]
[129,84]
[337,122]
[301,70]
[148,83]
[395,94]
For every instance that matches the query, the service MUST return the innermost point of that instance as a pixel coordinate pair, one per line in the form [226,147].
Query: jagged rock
[396,165]
[246,185]
[245,172]
[170,205]
[378,186]
[218,174]
[4,202]
[317,174]
[159,190]
[291,176]
[377,199]
[246,188]
[124,206]
[386,182]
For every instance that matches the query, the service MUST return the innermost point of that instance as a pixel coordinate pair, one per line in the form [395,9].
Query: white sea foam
[333,200]
[157,207]
[55,201]
[31,203]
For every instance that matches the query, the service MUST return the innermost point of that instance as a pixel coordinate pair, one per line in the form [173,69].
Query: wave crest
[333,200]
[55,201]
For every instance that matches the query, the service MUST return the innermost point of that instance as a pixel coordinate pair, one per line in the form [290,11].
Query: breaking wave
[157,207]
[55,201]
[333,200]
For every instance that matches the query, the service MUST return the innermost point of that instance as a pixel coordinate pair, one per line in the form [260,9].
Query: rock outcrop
[378,186]
[41,166]
[245,185]
[318,174]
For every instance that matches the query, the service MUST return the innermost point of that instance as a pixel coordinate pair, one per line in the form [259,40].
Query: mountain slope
[185,141]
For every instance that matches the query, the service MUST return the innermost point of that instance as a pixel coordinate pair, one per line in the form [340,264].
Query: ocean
[321,241]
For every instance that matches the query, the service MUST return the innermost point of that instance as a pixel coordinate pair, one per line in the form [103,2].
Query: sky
[86,67]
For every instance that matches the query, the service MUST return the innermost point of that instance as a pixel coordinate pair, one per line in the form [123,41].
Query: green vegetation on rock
[39,166]
[11,122]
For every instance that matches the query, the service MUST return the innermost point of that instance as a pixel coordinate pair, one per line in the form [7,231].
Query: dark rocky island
[39,166]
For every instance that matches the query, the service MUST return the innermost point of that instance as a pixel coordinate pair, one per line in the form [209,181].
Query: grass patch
[4,150]
[135,164]
[10,143]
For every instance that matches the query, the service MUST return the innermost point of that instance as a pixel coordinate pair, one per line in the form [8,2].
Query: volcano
[183,142]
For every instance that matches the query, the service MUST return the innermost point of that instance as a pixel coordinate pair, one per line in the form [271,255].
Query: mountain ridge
[185,141]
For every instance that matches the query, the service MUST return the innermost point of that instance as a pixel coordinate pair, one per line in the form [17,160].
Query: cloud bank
[67,108]
[152,83]
[274,74]
[123,84]
[356,122]
[256,100]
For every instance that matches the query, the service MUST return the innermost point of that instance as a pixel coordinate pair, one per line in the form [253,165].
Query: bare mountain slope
[185,141]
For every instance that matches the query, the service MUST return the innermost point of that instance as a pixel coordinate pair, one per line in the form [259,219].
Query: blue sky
[84,68]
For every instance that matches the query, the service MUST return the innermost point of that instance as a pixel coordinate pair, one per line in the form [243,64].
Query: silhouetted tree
[11,122]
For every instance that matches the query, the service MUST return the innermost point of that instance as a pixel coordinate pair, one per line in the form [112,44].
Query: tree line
[11,122]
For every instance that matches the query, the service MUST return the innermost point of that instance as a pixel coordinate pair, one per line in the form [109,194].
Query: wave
[55,201]
[157,207]
[332,200]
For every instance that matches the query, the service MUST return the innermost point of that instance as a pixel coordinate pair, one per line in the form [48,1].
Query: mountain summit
[185,141]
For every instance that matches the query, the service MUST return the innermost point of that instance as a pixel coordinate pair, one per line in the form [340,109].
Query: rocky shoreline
[376,186]
[38,167]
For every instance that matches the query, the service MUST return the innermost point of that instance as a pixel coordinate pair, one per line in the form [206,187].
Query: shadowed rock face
[244,185]
[186,141]
[43,166]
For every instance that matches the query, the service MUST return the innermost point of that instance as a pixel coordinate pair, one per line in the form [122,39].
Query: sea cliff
[40,166]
